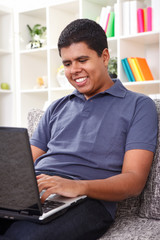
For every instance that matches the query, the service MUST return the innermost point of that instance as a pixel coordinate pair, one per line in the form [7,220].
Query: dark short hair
[84,30]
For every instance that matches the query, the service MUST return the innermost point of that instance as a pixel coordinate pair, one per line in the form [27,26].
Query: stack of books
[136,69]
[144,19]
[136,16]
[107,21]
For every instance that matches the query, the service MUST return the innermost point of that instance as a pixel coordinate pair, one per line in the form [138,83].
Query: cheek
[66,72]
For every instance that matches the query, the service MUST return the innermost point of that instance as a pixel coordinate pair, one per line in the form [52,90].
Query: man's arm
[130,182]
[36,152]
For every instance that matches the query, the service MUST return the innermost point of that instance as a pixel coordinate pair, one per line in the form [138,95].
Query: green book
[110,28]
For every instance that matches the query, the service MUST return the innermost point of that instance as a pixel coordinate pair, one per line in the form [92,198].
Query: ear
[106,56]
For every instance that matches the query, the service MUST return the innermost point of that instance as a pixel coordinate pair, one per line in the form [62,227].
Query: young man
[98,141]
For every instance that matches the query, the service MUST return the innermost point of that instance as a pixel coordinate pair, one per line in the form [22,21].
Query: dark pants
[86,221]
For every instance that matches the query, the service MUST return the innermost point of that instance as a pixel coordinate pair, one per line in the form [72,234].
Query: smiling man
[85,70]
[98,141]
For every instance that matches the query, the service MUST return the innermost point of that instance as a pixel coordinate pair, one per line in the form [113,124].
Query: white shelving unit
[45,61]
[7,97]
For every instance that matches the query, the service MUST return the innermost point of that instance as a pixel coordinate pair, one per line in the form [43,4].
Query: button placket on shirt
[87,108]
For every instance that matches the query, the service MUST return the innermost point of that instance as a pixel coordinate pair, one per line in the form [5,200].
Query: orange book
[145,19]
[144,69]
[134,68]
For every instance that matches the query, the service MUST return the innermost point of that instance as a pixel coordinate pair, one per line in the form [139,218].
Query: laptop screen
[18,187]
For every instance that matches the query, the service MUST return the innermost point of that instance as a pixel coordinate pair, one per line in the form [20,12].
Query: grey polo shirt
[87,139]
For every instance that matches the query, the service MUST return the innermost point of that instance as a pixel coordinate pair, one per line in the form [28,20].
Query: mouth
[81,81]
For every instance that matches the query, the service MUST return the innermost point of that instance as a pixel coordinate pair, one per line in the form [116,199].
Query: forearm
[36,152]
[112,189]
[130,182]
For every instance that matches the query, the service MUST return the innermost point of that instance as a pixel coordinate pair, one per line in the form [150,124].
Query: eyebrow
[77,59]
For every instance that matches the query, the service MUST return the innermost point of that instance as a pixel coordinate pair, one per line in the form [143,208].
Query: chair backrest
[150,197]
[33,118]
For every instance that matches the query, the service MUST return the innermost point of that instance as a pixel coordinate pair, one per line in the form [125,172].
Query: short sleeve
[41,136]
[142,132]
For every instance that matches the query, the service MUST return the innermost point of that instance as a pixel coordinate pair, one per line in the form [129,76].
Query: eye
[82,60]
[66,64]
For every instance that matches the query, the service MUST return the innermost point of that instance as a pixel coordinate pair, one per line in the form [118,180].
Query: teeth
[80,80]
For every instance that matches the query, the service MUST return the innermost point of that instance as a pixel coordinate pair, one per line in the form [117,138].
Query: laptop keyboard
[49,205]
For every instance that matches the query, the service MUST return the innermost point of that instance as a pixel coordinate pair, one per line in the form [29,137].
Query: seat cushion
[150,198]
[133,228]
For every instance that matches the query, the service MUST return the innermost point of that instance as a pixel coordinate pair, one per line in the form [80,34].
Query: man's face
[85,70]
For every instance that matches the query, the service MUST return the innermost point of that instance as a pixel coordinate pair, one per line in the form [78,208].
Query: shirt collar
[117,90]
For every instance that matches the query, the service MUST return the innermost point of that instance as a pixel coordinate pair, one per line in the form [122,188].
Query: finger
[41,176]
[46,194]
[45,184]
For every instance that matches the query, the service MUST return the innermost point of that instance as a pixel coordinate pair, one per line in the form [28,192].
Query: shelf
[59,89]
[103,2]
[35,63]
[53,47]
[151,82]
[35,13]
[4,52]
[5,91]
[34,50]
[143,38]
[151,87]
[4,11]
[35,90]
[67,6]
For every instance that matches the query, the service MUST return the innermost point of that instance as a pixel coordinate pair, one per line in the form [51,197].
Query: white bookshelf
[7,97]
[45,61]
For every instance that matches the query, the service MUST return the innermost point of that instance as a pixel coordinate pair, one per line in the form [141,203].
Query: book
[140,20]
[107,22]
[135,70]
[149,19]
[134,5]
[145,19]
[155,4]
[104,15]
[144,69]
[108,10]
[127,70]
[110,28]
[126,18]
[116,20]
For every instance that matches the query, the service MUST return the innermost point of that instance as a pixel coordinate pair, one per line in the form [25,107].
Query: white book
[134,5]
[155,15]
[125,18]
[116,24]
[103,16]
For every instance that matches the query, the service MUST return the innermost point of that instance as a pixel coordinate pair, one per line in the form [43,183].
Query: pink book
[140,20]
[149,19]
[107,22]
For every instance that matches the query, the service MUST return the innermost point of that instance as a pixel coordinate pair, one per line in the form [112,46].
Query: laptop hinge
[24,212]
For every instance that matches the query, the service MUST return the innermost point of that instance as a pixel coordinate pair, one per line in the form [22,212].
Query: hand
[58,185]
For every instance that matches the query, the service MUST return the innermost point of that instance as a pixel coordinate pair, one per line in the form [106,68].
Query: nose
[75,68]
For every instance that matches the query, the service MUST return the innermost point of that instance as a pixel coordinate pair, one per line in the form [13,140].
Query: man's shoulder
[139,97]
[58,103]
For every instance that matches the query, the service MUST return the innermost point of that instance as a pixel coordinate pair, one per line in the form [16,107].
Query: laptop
[19,194]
